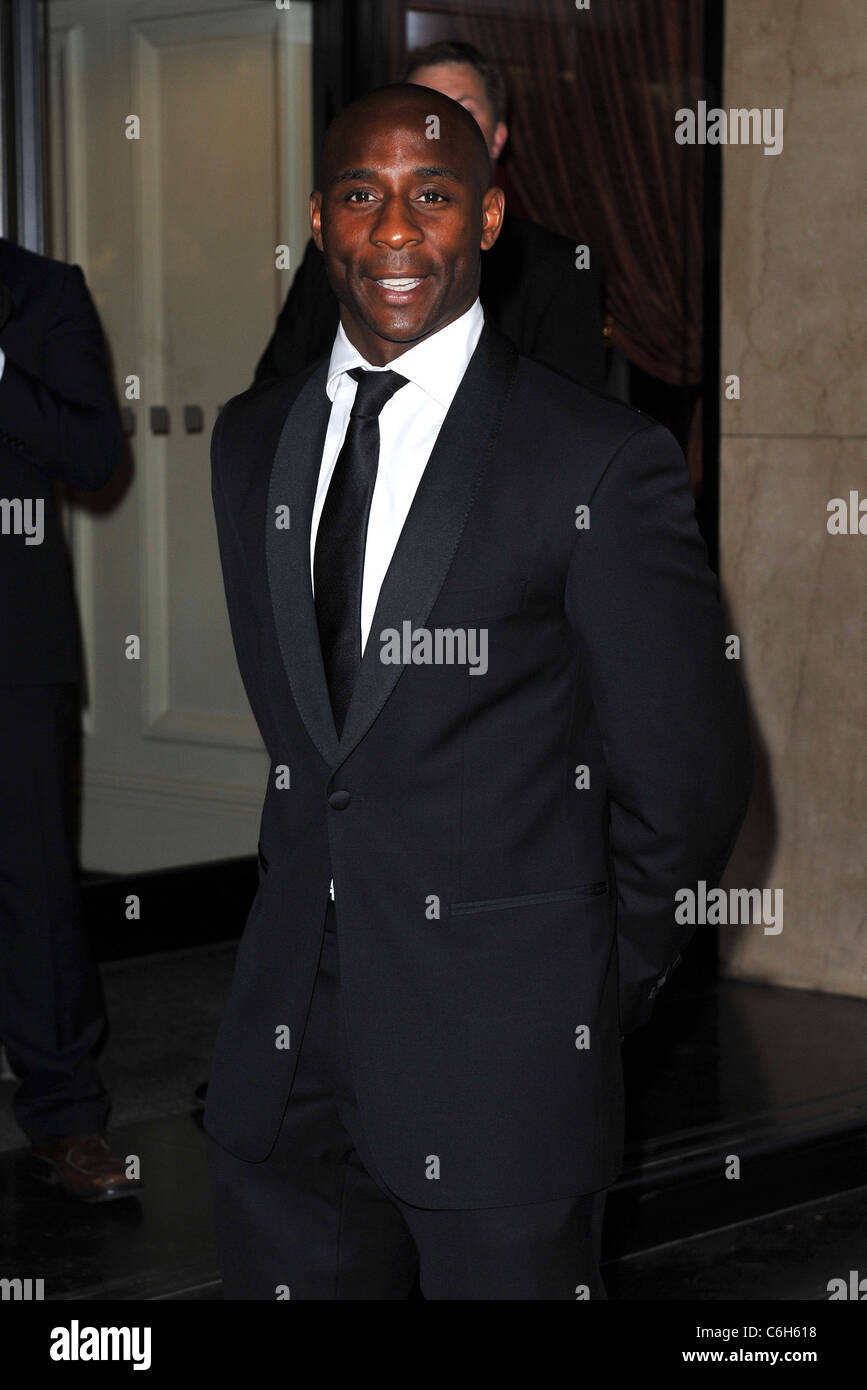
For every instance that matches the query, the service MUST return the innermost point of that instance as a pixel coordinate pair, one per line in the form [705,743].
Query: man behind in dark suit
[475,621]
[531,288]
[58,423]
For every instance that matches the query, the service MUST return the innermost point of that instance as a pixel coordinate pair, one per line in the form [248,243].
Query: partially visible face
[464,84]
[401,220]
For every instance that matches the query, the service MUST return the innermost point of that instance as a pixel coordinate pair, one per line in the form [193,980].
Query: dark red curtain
[593,96]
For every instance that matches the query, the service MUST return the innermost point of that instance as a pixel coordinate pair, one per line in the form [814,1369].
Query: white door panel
[177,233]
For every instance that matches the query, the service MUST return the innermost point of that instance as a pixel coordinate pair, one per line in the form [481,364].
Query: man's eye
[434,193]
[358,193]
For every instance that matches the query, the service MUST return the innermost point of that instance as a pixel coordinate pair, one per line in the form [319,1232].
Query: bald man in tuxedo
[476,624]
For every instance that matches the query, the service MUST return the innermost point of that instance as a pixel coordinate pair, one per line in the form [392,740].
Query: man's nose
[395,226]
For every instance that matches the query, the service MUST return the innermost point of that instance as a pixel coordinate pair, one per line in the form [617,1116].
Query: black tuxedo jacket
[530,289]
[488,908]
[58,421]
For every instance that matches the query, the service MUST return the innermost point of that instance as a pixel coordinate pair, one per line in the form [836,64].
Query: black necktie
[338,557]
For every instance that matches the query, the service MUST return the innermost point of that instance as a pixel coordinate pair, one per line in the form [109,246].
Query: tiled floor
[776,1077]
[161,1245]
[791,1254]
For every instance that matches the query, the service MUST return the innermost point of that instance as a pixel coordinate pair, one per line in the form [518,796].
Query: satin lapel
[435,521]
[294,475]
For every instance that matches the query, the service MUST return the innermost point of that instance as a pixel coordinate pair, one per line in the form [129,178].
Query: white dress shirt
[2,361]
[408,427]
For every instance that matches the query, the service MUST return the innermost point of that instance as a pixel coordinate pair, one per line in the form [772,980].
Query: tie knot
[375,389]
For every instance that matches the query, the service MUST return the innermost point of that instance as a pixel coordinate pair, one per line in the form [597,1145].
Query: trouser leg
[546,1250]
[308,1221]
[316,1220]
[51,1008]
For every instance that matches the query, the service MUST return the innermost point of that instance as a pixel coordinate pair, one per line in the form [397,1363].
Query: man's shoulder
[565,435]
[265,402]
[32,275]
[574,410]
[21,258]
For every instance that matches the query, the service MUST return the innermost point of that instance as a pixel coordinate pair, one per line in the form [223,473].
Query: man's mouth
[404,283]
[395,289]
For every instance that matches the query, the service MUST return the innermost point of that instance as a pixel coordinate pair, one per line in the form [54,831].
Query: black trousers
[314,1220]
[51,1008]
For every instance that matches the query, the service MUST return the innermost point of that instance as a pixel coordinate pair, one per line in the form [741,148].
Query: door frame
[22,195]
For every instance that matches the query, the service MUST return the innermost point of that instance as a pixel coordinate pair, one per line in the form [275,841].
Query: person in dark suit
[531,288]
[58,423]
[476,624]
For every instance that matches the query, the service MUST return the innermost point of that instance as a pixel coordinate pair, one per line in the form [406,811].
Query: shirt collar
[436,364]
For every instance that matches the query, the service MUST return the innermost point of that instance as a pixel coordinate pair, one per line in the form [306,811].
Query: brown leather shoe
[85,1167]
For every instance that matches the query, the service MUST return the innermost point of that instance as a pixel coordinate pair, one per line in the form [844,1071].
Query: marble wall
[793,331]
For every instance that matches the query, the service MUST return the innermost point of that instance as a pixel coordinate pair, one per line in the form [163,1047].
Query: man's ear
[501,135]
[493,208]
[316,218]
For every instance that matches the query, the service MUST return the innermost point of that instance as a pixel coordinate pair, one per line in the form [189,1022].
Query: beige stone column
[793,331]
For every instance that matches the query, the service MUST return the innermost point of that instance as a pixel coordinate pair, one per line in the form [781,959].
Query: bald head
[404,210]
[454,137]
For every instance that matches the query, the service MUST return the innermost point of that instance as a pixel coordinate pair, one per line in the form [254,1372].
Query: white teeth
[400,284]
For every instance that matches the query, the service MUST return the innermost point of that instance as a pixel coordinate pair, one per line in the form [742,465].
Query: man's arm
[65,421]
[671,708]
[239,603]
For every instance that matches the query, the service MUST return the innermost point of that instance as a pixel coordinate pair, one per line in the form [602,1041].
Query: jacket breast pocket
[475,605]
[554,895]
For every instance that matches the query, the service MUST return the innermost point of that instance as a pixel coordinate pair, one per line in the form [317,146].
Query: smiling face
[402,219]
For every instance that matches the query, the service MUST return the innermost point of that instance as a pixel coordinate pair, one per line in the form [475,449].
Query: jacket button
[339,800]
